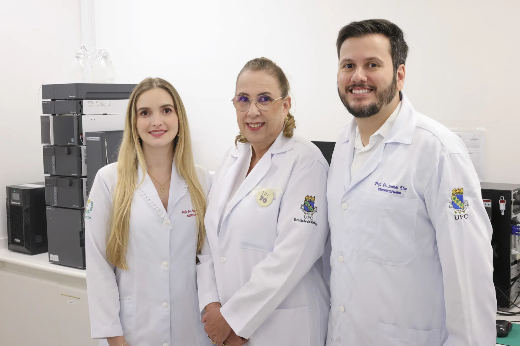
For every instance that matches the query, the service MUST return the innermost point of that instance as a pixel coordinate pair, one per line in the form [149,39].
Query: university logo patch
[309,209]
[458,205]
[308,206]
[88,209]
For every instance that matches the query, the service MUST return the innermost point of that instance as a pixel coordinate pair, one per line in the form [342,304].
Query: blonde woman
[144,224]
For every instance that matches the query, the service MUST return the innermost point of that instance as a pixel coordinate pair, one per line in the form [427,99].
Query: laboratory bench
[42,303]
[46,304]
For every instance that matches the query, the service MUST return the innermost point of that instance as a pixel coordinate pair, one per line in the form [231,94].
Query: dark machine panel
[503,200]
[66,192]
[102,149]
[85,106]
[62,107]
[68,107]
[67,130]
[26,222]
[46,129]
[70,160]
[48,107]
[87,91]
[66,232]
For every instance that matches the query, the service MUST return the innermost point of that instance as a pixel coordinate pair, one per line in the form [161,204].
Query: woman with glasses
[259,277]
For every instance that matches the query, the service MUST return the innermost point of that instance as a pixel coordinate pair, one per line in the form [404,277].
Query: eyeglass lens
[242,102]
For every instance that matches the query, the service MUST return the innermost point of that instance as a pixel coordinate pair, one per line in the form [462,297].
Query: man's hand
[235,340]
[215,325]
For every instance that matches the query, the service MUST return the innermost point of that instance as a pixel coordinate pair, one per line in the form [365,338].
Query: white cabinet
[74,324]
[42,308]
[27,310]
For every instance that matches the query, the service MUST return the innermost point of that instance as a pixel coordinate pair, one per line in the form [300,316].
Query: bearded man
[411,241]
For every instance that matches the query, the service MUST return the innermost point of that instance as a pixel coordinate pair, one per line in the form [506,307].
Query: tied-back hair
[270,67]
[131,155]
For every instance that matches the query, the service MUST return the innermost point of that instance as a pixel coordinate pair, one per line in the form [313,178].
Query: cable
[501,313]
[510,287]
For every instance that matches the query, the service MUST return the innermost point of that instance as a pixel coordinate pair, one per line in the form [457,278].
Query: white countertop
[40,262]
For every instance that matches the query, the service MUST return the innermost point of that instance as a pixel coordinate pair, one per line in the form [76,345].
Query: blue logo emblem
[458,205]
[309,209]
[308,204]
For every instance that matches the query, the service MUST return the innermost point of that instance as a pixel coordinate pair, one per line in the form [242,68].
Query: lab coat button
[341,259]
[165,305]
[344,206]
[165,344]
[166,222]
[341,309]
[165,264]
[223,259]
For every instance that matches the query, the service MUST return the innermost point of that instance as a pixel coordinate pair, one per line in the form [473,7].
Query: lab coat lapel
[402,132]
[230,176]
[148,189]
[348,152]
[178,188]
[280,145]
[369,166]
[251,181]
[404,127]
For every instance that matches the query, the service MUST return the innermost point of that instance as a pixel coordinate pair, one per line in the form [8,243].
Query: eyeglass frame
[256,104]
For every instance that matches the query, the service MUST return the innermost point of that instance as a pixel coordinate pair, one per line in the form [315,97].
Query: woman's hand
[235,340]
[212,306]
[215,325]
[116,341]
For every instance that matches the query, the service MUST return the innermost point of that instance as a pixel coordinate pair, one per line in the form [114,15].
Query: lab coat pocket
[258,229]
[383,228]
[389,335]
[127,315]
[284,327]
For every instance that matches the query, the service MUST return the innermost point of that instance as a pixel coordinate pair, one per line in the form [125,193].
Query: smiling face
[261,128]
[366,79]
[157,122]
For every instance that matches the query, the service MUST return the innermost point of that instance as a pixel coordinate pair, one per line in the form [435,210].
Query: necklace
[161,185]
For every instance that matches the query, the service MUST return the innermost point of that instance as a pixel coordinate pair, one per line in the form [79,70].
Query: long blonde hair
[270,67]
[131,155]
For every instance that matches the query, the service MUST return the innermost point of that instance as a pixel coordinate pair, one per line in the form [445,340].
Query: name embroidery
[189,213]
[388,188]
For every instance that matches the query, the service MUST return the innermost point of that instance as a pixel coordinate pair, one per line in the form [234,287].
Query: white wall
[461,68]
[38,40]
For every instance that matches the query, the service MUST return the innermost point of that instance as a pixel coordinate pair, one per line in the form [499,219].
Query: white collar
[382,132]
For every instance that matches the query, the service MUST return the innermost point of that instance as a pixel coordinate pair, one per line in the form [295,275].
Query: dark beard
[383,97]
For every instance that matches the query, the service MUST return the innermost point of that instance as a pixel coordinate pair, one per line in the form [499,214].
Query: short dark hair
[398,46]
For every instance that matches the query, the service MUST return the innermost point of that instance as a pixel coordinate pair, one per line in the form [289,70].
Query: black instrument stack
[503,204]
[74,115]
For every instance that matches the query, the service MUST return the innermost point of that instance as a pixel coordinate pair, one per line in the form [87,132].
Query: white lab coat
[406,269]
[154,303]
[262,263]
